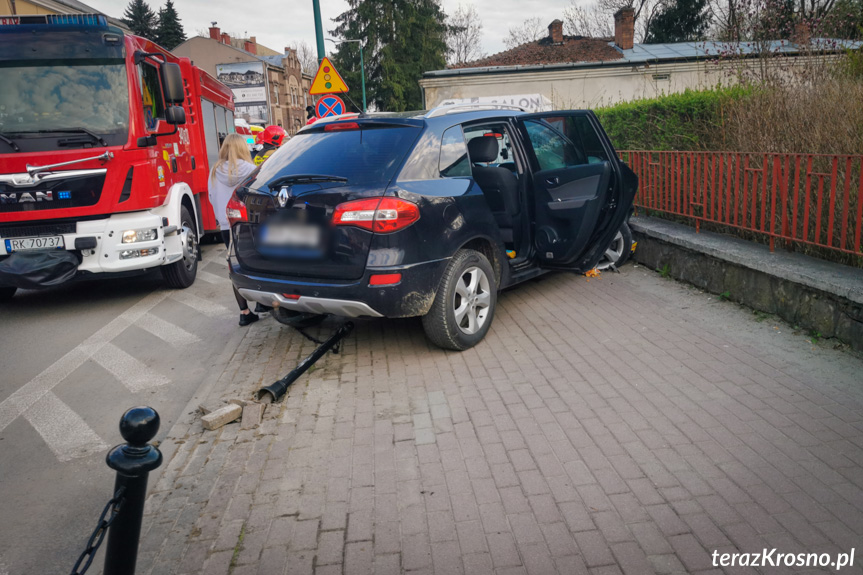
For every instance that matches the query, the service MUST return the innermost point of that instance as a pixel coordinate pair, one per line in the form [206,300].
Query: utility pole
[319,32]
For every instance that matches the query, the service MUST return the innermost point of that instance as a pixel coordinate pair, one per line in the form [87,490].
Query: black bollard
[133,462]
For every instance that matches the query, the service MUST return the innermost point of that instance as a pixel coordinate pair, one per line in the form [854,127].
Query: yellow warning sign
[327,80]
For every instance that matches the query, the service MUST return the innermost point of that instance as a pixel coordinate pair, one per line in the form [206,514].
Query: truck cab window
[152,98]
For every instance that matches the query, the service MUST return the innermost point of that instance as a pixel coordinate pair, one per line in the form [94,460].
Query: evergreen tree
[679,21]
[401,40]
[141,19]
[170,33]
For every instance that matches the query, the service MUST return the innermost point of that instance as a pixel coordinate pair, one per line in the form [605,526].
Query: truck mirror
[172,83]
[175,115]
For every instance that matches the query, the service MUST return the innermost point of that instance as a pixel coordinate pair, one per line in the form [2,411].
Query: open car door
[581,191]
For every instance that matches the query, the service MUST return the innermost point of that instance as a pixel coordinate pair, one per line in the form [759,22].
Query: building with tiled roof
[560,72]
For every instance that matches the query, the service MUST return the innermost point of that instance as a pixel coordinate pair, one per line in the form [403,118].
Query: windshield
[47,96]
[367,156]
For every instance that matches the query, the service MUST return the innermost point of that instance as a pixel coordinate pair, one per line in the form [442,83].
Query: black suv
[425,214]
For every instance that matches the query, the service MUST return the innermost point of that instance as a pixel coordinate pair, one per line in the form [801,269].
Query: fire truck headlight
[132,236]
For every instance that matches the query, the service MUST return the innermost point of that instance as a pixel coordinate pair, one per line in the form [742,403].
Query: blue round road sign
[329,105]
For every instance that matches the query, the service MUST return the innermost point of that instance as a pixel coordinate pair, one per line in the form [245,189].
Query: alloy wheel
[471,300]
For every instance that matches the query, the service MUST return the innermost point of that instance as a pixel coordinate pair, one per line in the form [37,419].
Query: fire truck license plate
[41,243]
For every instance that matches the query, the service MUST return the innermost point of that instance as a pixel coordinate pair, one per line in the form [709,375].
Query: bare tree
[587,21]
[464,35]
[307,56]
[530,30]
[597,20]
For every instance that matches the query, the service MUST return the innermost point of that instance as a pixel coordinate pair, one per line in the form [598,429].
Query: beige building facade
[284,89]
[39,7]
[563,72]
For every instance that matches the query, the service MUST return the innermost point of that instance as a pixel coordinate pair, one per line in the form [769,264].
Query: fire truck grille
[69,192]
[37,230]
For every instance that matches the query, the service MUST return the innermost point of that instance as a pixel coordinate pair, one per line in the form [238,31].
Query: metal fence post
[133,462]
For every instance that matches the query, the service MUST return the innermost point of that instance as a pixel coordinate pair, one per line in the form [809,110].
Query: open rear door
[576,188]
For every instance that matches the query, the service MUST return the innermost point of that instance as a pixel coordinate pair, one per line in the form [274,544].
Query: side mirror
[172,84]
[175,115]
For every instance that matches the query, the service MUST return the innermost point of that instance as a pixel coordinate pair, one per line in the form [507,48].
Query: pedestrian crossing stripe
[327,80]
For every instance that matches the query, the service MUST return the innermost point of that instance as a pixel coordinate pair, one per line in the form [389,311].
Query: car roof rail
[462,108]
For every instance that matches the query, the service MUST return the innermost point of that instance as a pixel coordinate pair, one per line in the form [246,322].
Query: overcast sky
[279,23]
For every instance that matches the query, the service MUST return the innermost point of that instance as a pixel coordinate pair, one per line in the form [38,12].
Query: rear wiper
[305,179]
[93,135]
[10,142]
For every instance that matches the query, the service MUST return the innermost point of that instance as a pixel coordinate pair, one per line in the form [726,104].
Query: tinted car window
[453,154]
[590,140]
[367,156]
[552,150]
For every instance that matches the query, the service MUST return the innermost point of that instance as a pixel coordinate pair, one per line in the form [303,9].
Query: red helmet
[274,135]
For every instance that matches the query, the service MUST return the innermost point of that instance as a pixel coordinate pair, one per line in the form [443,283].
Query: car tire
[181,274]
[297,319]
[619,251]
[464,305]
[6,293]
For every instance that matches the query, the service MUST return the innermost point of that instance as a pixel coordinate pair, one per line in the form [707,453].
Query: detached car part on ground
[425,214]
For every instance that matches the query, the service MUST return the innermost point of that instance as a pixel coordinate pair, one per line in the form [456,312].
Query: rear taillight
[382,215]
[236,211]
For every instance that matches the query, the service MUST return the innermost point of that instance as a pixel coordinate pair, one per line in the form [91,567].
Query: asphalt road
[72,360]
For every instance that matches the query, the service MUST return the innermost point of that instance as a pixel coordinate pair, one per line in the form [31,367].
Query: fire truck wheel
[6,293]
[182,274]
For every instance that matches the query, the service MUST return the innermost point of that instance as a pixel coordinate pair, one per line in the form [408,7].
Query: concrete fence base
[815,295]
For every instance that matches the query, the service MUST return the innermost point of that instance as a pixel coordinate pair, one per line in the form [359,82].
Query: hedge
[690,120]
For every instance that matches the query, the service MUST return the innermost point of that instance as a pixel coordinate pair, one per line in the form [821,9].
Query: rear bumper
[412,296]
[311,304]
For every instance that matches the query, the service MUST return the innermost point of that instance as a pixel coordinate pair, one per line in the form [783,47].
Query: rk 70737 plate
[40,243]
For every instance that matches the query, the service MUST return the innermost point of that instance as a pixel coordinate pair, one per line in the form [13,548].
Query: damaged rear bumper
[412,296]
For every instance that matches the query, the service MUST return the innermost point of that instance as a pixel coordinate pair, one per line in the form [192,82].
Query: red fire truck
[105,145]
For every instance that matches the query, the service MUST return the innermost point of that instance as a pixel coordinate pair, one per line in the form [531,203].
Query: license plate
[40,243]
[291,235]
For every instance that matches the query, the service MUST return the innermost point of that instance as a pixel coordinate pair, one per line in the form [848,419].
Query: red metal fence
[807,199]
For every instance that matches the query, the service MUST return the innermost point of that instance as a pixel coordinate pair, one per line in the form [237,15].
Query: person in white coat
[234,166]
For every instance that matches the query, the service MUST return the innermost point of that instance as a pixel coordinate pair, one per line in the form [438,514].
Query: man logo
[27,197]
[283,197]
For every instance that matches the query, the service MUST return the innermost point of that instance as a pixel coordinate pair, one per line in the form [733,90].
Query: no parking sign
[329,105]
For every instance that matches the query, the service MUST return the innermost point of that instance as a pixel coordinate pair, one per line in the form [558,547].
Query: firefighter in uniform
[270,139]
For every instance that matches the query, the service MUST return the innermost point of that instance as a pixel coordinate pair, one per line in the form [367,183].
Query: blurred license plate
[41,243]
[292,235]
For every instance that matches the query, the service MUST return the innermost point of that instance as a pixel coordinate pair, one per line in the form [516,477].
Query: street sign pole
[363,73]
[319,32]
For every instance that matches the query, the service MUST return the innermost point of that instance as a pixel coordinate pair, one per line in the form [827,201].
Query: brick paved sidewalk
[626,424]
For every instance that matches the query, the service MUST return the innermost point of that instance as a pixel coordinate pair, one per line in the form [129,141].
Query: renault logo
[283,197]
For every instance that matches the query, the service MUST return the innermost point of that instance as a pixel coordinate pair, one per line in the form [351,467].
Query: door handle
[552,181]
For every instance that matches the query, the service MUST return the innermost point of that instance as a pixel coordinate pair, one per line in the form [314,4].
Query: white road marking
[165,330]
[202,305]
[131,372]
[212,278]
[62,429]
[28,394]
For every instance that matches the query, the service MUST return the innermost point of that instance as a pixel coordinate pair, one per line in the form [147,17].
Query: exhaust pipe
[277,389]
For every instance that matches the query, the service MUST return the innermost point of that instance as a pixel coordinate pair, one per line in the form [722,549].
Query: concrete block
[221,416]
[210,407]
[253,413]
[239,401]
